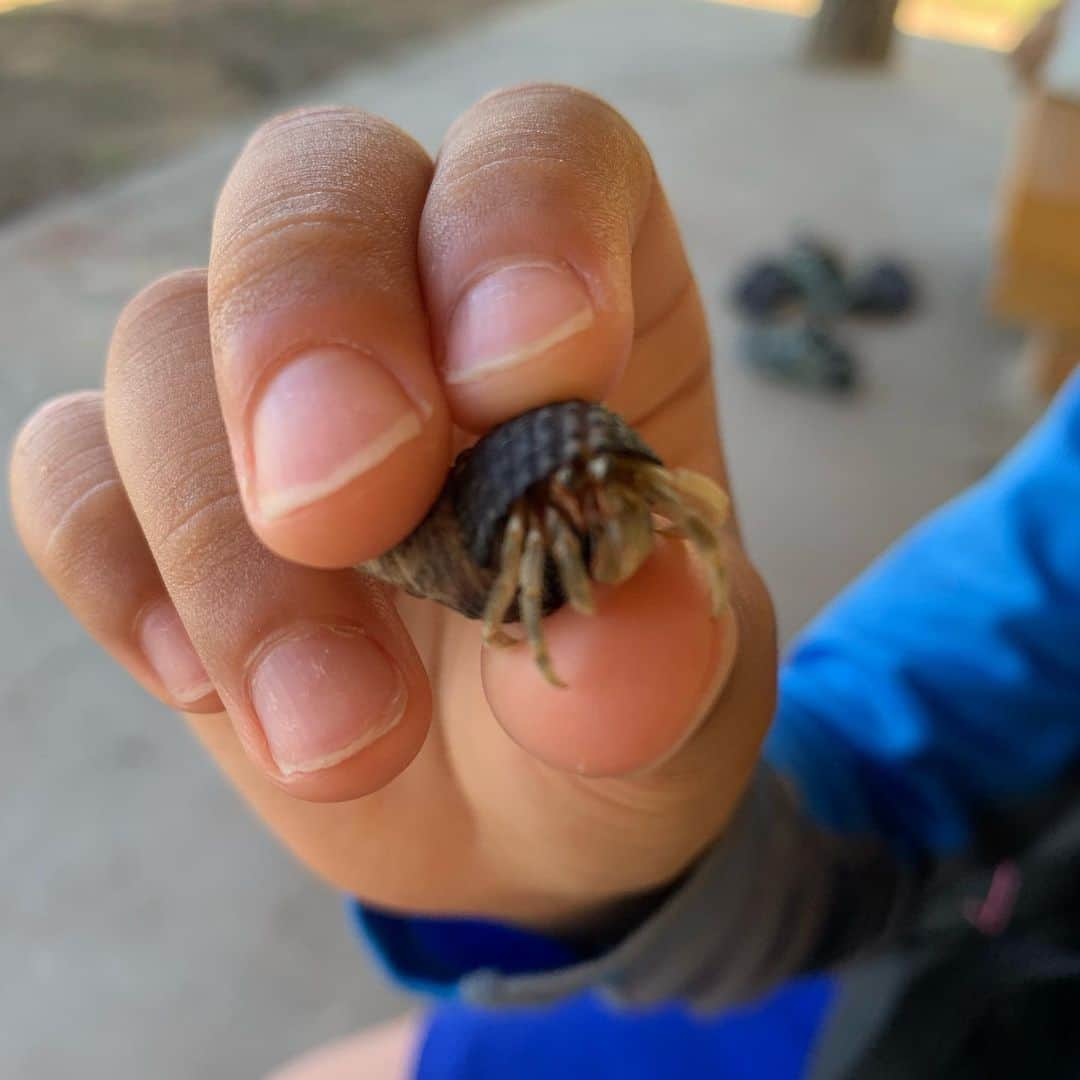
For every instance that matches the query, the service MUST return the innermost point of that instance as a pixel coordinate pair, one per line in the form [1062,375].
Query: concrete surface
[147,926]
[94,88]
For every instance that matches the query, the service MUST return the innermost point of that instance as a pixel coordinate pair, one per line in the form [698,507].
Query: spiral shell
[542,506]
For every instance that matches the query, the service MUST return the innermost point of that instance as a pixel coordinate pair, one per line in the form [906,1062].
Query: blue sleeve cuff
[432,956]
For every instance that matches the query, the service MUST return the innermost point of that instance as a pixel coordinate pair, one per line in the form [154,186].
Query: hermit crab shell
[557,498]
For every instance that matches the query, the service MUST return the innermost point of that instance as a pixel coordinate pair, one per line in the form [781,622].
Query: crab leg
[702,534]
[564,497]
[703,491]
[637,532]
[605,535]
[677,485]
[531,600]
[566,551]
[506,583]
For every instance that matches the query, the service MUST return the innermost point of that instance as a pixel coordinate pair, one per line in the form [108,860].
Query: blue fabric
[431,956]
[947,676]
[770,1040]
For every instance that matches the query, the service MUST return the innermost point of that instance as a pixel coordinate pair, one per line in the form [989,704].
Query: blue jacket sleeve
[948,675]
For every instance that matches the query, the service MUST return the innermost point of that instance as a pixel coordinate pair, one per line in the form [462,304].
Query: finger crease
[700,373]
[177,538]
[669,309]
[360,221]
[510,159]
[72,511]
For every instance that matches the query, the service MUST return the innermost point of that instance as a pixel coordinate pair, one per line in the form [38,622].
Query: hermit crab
[542,506]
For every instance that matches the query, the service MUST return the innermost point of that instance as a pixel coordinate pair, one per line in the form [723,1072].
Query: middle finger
[339,431]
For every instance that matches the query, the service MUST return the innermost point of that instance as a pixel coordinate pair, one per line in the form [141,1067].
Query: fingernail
[169,651]
[323,695]
[512,315]
[327,417]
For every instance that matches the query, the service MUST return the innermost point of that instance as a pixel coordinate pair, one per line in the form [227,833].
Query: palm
[288,412]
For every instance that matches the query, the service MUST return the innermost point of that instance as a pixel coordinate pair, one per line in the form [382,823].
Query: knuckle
[541,116]
[204,544]
[190,505]
[196,524]
[333,124]
[170,307]
[169,435]
[90,542]
[553,99]
[311,182]
[540,149]
[288,250]
[327,123]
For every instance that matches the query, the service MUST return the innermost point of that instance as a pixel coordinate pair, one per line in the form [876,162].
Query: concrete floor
[147,926]
[94,88]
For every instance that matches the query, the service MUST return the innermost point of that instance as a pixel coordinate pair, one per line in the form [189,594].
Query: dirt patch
[93,87]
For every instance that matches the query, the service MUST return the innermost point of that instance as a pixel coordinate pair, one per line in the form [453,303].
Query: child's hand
[294,410]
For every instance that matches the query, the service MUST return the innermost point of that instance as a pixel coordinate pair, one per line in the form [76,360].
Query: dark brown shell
[450,556]
[489,478]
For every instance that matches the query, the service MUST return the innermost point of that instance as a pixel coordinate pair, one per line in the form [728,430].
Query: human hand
[291,412]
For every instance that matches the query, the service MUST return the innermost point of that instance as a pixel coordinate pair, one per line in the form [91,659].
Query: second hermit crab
[543,506]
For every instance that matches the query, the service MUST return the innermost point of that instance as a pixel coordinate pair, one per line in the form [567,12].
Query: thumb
[641,673]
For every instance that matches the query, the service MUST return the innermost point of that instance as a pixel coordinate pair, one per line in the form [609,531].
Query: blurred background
[91,88]
[148,927]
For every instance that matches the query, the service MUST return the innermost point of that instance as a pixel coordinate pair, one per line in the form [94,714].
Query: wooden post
[852,32]
[1052,356]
